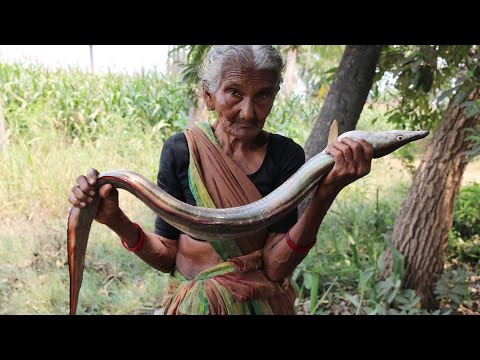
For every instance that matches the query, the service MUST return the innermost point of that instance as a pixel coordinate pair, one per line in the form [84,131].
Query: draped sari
[239,284]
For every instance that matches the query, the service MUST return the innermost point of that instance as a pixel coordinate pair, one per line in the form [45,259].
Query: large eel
[215,224]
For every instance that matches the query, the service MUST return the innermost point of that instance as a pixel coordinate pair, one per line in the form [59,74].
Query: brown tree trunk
[345,99]
[347,95]
[422,227]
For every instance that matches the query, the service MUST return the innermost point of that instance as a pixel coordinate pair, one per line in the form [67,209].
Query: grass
[60,124]
[35,273]
[38,172]
[34,276]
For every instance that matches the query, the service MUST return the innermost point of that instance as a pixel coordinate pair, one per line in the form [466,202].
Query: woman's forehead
[238,73]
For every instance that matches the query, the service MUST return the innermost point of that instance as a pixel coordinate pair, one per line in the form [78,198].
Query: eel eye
[400,137]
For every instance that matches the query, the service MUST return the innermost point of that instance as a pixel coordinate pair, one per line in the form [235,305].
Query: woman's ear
[207,97]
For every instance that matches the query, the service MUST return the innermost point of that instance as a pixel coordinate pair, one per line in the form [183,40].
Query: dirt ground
[471,174]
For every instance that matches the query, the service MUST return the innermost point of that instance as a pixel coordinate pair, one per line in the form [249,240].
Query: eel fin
[333,132]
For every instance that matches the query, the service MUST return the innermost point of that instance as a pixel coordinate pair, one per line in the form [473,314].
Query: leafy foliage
[125,119]
[293,117]
[475,138]
[467,211]
[424,76]
[317,65]
[84,105]
[189,67]
[354,235]
[453,286]
[464,237]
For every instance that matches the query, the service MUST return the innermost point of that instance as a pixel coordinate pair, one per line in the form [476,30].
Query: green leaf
[307,280]
[446,93]
[353,300]
[398,259]
[365,276]
[380,309]
[455,298]
[381,262]
[426,79]
[472,111]
[460,290]
[394,293]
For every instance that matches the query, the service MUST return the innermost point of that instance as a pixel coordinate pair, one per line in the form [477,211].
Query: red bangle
[298,248]
[140,242]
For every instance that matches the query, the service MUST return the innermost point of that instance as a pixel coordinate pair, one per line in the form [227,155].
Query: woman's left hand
[353,160]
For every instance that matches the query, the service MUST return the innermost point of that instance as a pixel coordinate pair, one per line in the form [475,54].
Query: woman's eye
[263,96]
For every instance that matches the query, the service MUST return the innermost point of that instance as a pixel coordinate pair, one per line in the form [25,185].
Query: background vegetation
[60,123]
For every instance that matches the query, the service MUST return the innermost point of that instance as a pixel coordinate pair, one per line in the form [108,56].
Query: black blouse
[283,158]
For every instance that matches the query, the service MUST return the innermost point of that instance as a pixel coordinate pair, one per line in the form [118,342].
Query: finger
[367,149]
[75,202]
[346,151]
[367,155]
[357,151]
[362,152]
[85,186]
[106,190]
[337,156]
[92,175]
[80,195]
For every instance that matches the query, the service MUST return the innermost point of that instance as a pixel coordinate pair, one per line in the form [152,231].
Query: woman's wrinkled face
[243,100]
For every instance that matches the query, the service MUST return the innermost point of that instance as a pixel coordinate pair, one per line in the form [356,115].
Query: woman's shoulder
[176,140]
[281,143]
[175,149]
[176,145]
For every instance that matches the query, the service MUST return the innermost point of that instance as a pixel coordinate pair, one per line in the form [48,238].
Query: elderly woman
[228,163]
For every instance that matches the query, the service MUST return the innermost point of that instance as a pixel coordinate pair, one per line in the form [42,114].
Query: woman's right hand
[84,191]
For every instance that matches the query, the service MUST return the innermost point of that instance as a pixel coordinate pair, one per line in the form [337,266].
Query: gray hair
[262,57]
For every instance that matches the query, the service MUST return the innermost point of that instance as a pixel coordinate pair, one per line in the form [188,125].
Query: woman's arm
[352,161]
[157,251]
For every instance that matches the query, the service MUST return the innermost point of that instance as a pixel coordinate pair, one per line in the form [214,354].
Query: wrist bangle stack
[140,241]
[298,248]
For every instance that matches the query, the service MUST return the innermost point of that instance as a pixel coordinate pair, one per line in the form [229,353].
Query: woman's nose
[247,113]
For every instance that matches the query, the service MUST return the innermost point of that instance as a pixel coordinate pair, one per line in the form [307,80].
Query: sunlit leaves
[425,77]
